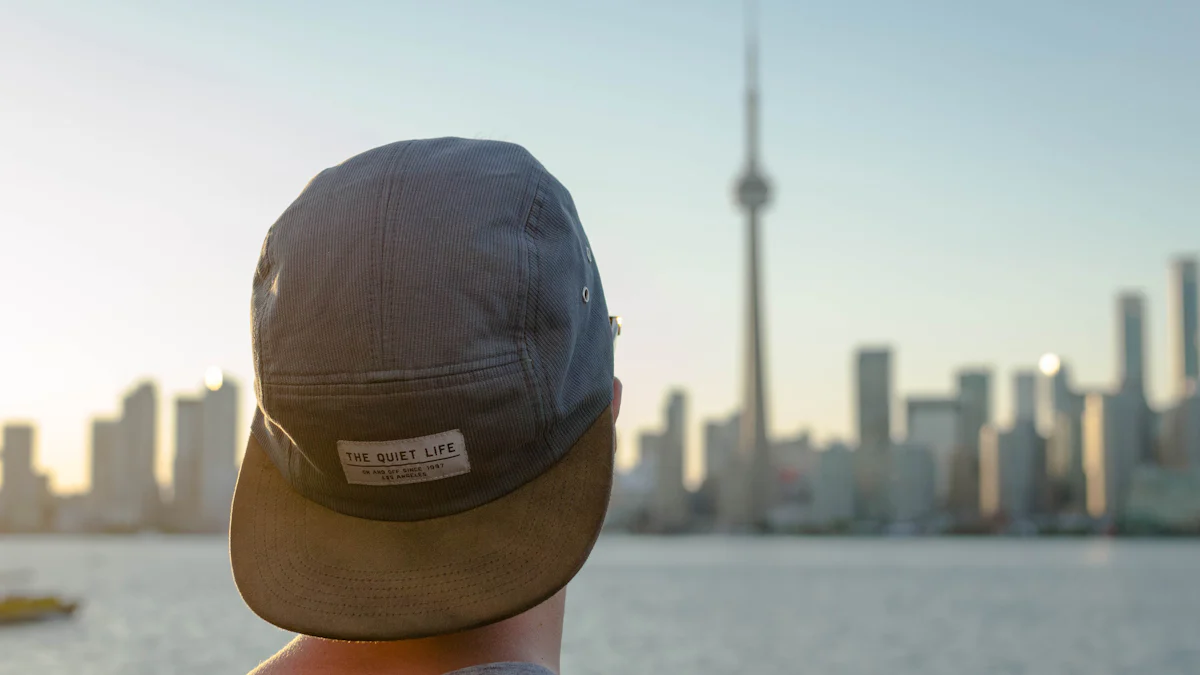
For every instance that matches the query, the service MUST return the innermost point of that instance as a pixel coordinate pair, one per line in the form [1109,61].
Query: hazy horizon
[972,185]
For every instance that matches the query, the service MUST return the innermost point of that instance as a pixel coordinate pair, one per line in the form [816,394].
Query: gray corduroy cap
[432,449]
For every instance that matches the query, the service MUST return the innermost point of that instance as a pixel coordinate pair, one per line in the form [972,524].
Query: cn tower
[754,494]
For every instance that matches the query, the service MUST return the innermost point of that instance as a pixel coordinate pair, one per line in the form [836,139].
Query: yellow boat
[26,608]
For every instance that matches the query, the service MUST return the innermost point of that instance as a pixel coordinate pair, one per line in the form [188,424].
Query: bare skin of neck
[532,637]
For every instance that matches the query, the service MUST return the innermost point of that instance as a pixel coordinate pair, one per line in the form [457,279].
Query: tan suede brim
[314,571]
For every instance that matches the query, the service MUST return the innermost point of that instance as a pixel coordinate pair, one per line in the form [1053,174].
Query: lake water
[702,606]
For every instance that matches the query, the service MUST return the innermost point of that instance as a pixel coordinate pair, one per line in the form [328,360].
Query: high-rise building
[218,464]
[911,488]
[833,488]
[1060,415]
[750,507]
[720,446]
[933,424]
[873,396]
[974,404]
[1025,396]
[1189,432]
[974,411]
[138,496]
[873,375]
[1112,448]
[1011,471]
[1058,395]
[189,455]
[720,466]
[669,504]
[206,455]
[26,503]
[1185,333]
[1064,463]
[23,495]
[107,473]
[1131,332]
[793,460]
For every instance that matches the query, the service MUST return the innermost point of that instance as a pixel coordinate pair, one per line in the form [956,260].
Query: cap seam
[538,372]
[386,388]
[398,375]
[399,150]
[258,381]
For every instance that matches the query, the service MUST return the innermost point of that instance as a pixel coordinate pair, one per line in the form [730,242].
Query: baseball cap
[432,448]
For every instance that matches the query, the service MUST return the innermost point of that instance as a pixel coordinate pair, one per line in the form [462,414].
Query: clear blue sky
[969,182]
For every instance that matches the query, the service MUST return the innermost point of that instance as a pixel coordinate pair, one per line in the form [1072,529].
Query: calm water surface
[702,606]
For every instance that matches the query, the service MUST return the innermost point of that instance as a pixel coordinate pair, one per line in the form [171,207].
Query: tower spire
[752,485]
[751,83]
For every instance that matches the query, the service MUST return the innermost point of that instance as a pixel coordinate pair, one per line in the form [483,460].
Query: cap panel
[504,444]
[316,285]
[452,268]
[567,329]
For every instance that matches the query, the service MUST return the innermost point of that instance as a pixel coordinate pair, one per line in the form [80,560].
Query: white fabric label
[411,460]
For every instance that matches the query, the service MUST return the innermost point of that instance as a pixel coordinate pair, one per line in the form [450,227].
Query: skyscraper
[720,444]
[106,472]
[1112,447]
[1131,327]
[974,411]
[206,455]
[974,405]
[1011,471]
[933,424]
[833,490]
[22,497]
[1185,333]
[138,494]
[753,194]
[218,464]
[189,453]
[1063,396]
[873,375]
[874,378]
[911,488]
[1025,396]
[669,505]
[1060,411]
[1064,463]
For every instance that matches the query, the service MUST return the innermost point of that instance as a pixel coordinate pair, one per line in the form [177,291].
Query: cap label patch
[411,460]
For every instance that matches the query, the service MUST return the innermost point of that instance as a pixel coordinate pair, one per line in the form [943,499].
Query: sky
[970,183]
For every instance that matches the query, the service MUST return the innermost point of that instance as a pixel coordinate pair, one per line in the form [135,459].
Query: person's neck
[532,637]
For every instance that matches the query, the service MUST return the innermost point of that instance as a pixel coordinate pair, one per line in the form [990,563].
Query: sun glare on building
[1049,364]
[213,378]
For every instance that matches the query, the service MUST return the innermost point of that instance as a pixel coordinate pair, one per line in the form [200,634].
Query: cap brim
[311,570]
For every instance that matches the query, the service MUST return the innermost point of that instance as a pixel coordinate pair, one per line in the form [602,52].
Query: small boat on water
[29,607]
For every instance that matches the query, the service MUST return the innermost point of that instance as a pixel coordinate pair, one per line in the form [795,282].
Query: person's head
[433,445]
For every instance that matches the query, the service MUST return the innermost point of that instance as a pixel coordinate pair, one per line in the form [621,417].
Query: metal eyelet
[587,295]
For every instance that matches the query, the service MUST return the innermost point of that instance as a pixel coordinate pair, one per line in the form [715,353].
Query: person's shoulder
[511,668]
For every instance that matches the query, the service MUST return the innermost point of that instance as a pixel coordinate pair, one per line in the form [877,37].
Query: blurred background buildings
[125,496]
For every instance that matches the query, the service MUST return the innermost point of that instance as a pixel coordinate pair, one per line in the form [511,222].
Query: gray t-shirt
[504,669]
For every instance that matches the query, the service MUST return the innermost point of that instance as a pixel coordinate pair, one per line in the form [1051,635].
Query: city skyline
[1069,460]
[968,186]
[1061,441]
[124,494]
